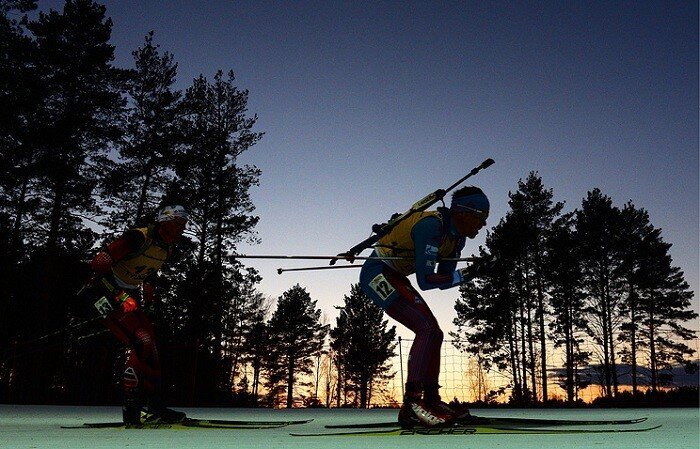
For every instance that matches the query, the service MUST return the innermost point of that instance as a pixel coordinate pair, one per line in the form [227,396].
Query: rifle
[380,230]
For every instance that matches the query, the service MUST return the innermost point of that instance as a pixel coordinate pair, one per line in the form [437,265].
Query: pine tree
[519,241]
[489,319]
[340,339]
[78,120]
[256,347]
[19,98]
[76,100]
[598,225]
[137,183]
[533,210]
[239,317]
[363,343]
[215,189]
[665,299]
[567,300]
[635,228]
[297,336]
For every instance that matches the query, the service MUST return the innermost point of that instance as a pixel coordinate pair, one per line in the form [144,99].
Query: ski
[469,430]
[193,423]
[500,421]
[254,422]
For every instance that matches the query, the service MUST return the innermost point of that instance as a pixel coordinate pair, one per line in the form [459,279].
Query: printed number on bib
[103,306]
[383,288]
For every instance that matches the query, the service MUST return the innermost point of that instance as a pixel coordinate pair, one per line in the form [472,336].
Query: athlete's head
[171,222]
[470,209]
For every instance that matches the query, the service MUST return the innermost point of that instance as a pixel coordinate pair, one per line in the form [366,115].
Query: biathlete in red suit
[119,292]
[422,239]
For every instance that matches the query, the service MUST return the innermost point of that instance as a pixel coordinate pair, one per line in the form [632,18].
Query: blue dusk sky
[369,106]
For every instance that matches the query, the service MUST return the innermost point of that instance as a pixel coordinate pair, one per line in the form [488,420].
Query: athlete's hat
[169,213]
[471,199]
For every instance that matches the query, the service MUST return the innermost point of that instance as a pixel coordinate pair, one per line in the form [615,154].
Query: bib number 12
[382,287]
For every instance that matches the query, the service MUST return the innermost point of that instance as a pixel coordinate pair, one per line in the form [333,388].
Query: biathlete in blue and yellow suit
[119,291]
[422,240]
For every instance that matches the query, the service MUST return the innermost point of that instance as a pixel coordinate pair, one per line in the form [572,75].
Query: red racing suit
[121,270]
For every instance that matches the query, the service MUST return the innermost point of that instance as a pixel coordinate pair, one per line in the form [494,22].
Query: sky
[369,106]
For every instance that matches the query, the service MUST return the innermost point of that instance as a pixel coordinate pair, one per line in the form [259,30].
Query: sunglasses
[479,213]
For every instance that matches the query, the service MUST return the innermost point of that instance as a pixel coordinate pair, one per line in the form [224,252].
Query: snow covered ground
[39,427]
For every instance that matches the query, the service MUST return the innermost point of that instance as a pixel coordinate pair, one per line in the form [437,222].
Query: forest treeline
[88,150]
[598,282]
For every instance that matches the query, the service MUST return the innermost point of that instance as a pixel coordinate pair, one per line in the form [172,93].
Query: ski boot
[419,412]
[432,397]
[157,413]
[462,414]
[132,406]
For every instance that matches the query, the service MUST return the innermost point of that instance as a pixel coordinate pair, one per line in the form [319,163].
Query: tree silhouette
[297,336]
[137,182]
[362,344]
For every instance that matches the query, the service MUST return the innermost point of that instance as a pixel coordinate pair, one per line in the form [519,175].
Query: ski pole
[313,257]
[33,342]
[334,267]
[457,259]
[64,329]
[380,230]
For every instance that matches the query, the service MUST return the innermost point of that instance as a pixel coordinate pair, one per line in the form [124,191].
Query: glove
[128,303]
[347,256]
[479,268]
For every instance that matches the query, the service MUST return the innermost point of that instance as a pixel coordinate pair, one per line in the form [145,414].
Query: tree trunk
[652,348]
[256,380]
[196,316]
[633,339]
[15,236]
[523,354]
[513,346]
[569,343]
[52,240]
[338,365]
[530,333]
[606,342]
[609,335]
[363,392]
[290,381]
[543,338]
[531,348]
[141,208]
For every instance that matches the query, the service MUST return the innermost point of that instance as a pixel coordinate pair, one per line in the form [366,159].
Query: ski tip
[299,421]
[591,431]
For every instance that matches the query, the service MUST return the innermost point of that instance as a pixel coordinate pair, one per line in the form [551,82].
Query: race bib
[103,306]
[382,287]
